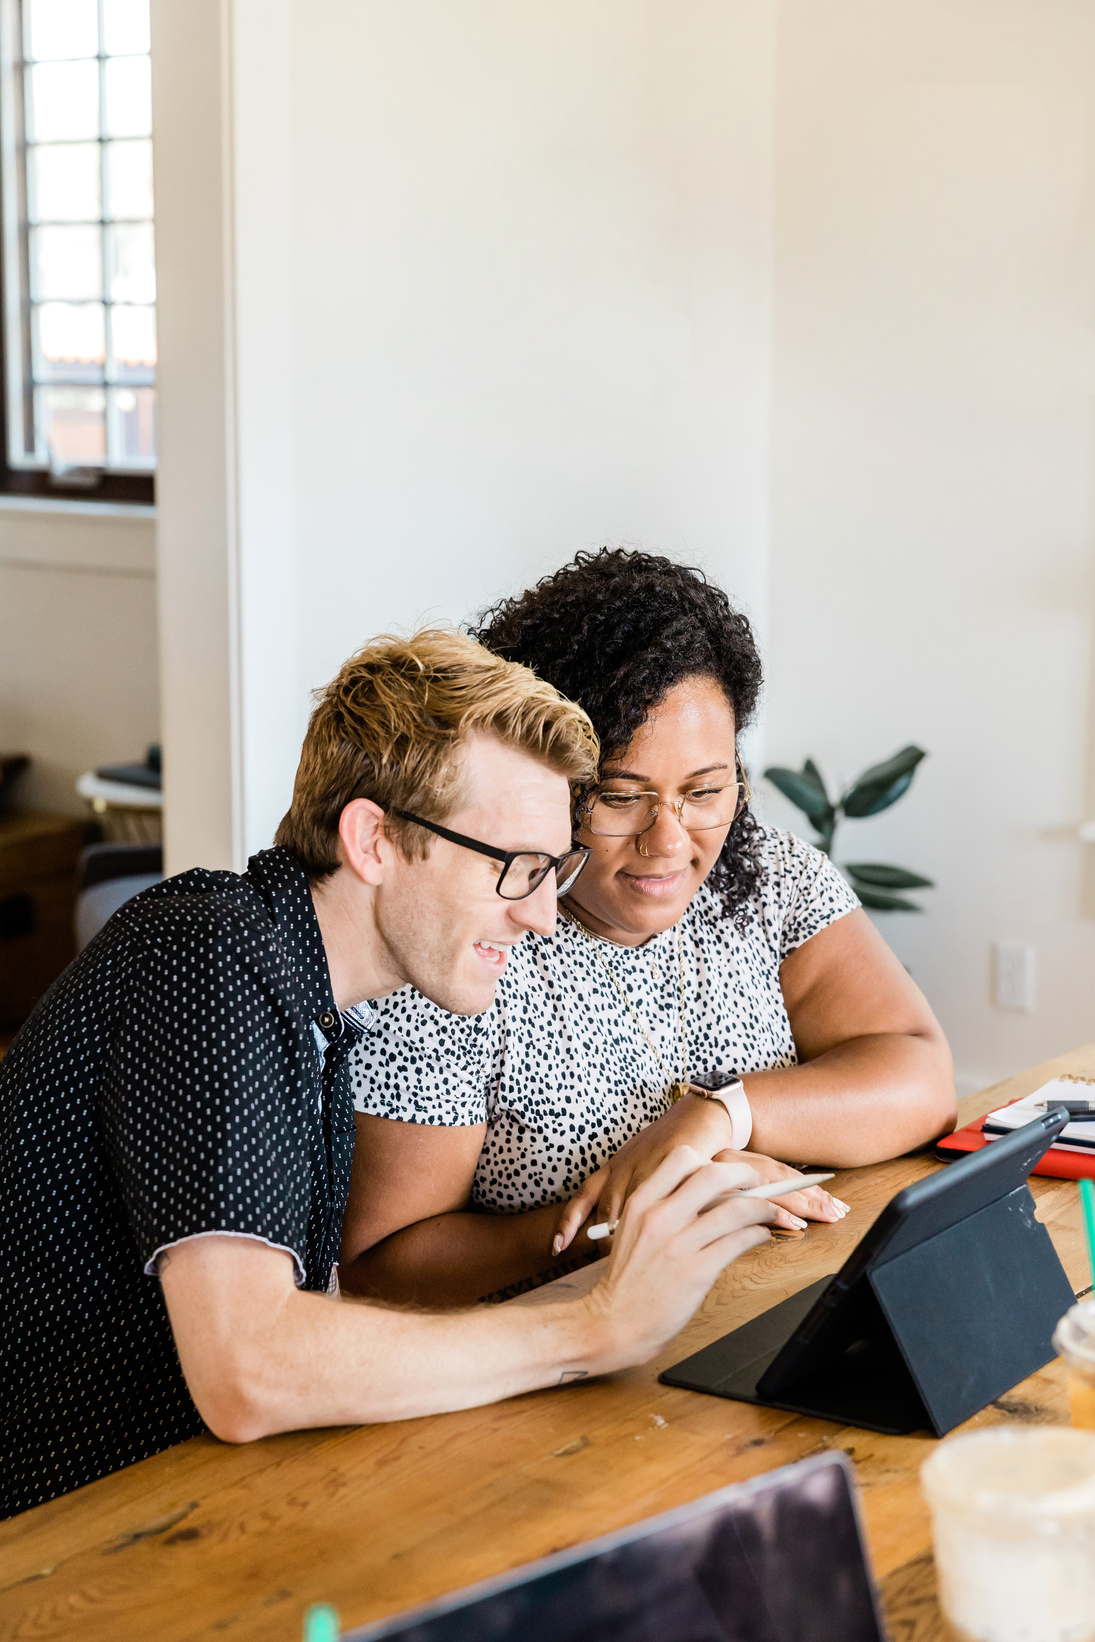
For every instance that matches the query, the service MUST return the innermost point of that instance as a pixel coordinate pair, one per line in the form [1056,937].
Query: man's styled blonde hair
[390,727]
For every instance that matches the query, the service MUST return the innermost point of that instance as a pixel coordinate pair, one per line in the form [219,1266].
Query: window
[79,280]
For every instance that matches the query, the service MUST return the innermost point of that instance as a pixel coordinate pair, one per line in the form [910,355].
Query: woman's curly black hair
[614,631]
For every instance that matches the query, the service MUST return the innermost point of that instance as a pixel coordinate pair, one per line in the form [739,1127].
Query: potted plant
[871,793]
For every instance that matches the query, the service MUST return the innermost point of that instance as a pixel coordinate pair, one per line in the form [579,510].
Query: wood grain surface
[211,1541]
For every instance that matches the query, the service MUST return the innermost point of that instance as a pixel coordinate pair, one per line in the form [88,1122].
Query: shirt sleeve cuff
[449,1108]
[151,1265]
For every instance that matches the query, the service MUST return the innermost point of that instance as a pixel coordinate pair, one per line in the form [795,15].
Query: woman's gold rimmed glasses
[612,813]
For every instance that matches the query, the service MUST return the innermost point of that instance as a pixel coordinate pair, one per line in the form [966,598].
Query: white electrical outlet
[1013,977]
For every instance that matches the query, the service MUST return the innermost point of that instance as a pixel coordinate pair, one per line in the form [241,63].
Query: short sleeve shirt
[186,1075]
[559,1069]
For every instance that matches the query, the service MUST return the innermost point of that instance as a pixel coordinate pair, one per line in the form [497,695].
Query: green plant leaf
[902,763]
[803,793]
[863,800]
[878,902]
[812,773]
[873,872]
[883,784]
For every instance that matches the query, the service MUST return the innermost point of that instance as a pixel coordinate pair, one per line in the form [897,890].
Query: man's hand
[705,1127]
[678,1231]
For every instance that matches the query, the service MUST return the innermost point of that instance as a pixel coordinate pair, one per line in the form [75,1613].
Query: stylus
[1079,1111]
[774,1188]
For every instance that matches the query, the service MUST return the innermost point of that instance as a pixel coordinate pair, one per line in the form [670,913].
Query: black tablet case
[949,1301]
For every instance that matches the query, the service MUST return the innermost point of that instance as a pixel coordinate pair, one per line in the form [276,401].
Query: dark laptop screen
[777,1559]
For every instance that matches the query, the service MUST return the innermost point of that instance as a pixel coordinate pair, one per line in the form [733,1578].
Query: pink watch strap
[736,1101]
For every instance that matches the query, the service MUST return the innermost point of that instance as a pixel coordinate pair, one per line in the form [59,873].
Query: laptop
[777,1559]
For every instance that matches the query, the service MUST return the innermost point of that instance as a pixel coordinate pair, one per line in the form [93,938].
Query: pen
[775,1188]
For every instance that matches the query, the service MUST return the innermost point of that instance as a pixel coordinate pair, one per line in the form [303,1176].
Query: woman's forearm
[870,1098]
[456,1259]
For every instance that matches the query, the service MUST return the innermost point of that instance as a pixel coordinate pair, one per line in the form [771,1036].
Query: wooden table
[211,1541]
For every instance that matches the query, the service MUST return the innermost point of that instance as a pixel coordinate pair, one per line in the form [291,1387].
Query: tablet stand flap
[853,1371]
[973,1308]
[731,1367]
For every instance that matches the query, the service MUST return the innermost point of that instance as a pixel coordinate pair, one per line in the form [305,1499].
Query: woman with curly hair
[710,981]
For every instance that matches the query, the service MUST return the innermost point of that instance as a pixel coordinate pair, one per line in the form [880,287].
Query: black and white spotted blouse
[558,1069]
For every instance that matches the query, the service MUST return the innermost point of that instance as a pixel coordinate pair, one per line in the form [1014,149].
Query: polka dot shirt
[558,1069]
[185,1075]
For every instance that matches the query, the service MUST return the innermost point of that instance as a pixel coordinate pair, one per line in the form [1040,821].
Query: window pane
[133,425]
[62,101]
[72,425]
[66,262]
[63,183]
[125,26]
[81,191]
[61,28]
[128,97]
[132,263]
[129,179]
[70,341]
[133,334]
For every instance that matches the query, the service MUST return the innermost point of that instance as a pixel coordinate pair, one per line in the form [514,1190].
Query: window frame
[92,485]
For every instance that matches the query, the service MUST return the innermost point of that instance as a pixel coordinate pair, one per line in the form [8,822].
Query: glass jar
[1013,1523]
[1074,1342]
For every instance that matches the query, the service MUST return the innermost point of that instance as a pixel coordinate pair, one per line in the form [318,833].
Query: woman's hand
[815,1203]
[705,1126]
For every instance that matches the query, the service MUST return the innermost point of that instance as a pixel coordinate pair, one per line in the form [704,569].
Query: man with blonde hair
[176,1126]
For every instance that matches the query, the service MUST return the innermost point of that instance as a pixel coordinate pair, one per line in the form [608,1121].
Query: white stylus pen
[775,1188]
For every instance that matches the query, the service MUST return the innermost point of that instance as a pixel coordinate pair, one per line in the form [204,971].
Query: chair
[108,875]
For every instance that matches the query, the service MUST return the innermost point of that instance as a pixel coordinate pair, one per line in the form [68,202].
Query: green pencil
[1087,1203]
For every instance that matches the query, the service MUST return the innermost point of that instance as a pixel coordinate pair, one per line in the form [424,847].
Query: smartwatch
[733,1097]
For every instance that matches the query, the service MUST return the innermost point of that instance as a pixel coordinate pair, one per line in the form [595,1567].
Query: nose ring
[642,851]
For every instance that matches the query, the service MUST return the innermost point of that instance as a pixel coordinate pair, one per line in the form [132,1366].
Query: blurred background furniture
[108,875]
[59,884]
[127,799]
[38,857]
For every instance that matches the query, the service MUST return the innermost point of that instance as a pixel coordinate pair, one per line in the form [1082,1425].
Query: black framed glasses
[627,814]
[522,870]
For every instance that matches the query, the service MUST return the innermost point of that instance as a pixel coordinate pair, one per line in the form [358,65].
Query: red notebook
[1061,1165]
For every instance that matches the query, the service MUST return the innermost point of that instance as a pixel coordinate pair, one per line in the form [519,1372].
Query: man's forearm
[322,1362]
[260,1356]
[455,1259]
[870,1098]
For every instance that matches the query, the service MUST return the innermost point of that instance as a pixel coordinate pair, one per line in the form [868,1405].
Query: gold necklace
[677,1086]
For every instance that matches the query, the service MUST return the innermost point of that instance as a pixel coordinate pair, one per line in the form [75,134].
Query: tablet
[950,1299]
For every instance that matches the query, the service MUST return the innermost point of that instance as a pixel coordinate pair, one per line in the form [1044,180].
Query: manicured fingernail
[801,1224]
[557,1246]
[845,1206]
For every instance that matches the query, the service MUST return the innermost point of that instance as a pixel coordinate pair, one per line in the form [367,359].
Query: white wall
[531,288]
[78,666]
[932,472]
[485,283]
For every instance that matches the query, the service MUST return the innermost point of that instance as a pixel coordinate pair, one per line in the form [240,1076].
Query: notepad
[1075,1137]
